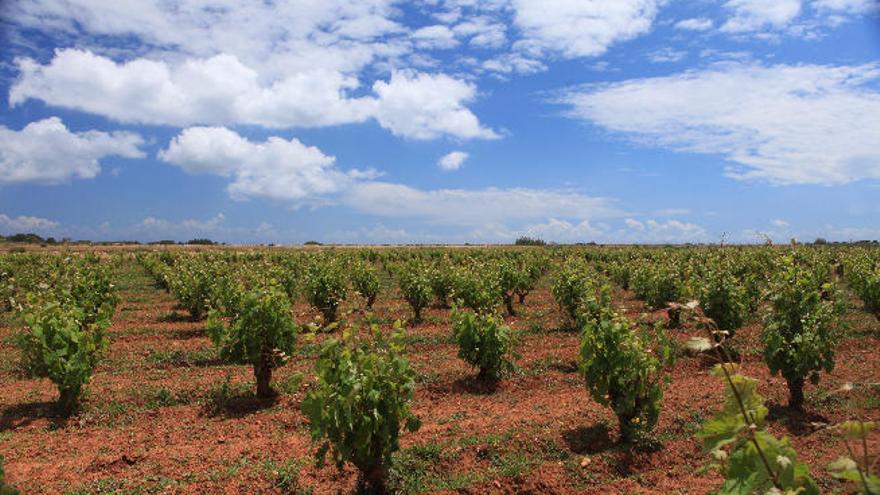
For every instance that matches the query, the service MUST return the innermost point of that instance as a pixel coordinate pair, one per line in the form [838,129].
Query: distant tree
[29,238]
[529,241]
[820,241]
[201,241]
[311,243]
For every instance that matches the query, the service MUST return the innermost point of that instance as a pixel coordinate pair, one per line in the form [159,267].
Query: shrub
[724,300]
[59,346]
[510,277]
[754,461]
[623,372]
[360,401]
[656,283]
[580,293]
[191,286]
[857,466]
[414,280]
[485,342]
[476,288]
[534,268]
[529,241]
[799,324]
[365,282]
[261,334]
[571,283]
[325,287]
[442,284]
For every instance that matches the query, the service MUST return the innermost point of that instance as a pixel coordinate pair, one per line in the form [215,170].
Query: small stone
[585,462]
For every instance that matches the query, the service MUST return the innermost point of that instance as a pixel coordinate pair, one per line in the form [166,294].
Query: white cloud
[275,38]
[754,15]
[437,36]
[452,160]
[46,152]
[779,223]
[214,228]
[847,6]
[473,208]
[277,168]
[695,24]
[666,55]
[652,231]
[580,28]
[482,32]
[632,231]
[509,63]
[26,223]
[426,106]
[804,124]
[222,91]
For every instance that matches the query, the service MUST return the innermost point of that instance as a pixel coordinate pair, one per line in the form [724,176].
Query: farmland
[482,370]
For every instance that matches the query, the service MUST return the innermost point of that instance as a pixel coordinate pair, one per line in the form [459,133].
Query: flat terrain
[163,415]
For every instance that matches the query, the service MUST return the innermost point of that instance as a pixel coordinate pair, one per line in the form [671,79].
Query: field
[166,412]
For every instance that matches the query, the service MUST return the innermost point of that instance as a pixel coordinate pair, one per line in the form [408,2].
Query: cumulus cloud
[652,231]
[666,55]
[482,32]
[695,24]
[46,152]
[452,160]
[802,124]
[275,38]
[426,106]
[26,223]
[847,6]
[277,168]
[215,228]
[437,36]
[221,90]
[580,28]
[753,15]
[474,208]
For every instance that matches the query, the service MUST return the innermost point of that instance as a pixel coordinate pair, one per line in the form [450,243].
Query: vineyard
[541,369]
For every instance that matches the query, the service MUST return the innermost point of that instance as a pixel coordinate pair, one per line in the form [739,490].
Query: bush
[799,324]
[261,334]
[568,289]
[623,372]
[442,285]
[360,401]
[475,287]
[191,285]
[724,300]
[365,282]
[485,342]
[59,346]
[529,241]
[581,293]
[414,280]
[325,287]
[656,283]
[734,436]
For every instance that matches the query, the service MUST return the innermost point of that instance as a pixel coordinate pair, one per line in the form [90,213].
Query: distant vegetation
[529,241]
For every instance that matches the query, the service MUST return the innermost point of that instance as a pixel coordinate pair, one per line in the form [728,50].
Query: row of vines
[359,399]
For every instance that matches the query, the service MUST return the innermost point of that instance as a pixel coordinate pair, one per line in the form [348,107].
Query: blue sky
[454,121]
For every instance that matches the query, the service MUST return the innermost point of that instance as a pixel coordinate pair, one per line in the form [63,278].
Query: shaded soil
[158,418]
